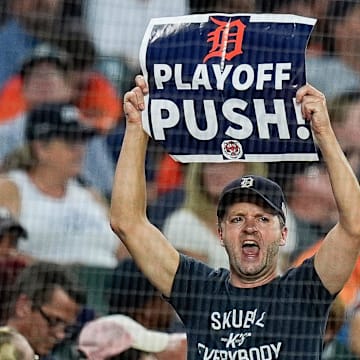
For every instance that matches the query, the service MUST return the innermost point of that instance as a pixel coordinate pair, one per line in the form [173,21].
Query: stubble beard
[256,270]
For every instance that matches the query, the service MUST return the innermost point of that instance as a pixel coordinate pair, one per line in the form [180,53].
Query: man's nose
[59,333]
[250,225]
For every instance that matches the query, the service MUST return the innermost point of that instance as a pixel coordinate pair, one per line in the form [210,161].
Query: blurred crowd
[64,67]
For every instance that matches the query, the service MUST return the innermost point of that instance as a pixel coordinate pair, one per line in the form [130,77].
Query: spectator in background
[345,112]
[99,99]
[47,76]
[44,78]
[334,349]
[341,56]
[192,228]
[29,23]
[46,300]
[14,346]
[93,93]
[74,54]
[10,232]
[311,205]
[12,261]
[64,219]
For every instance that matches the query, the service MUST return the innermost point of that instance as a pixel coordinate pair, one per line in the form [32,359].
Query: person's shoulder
[76,188]
[99,80]
[11,175]
[12,100]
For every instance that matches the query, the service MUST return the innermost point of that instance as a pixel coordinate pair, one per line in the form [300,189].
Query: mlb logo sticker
[232,149]
[222,87]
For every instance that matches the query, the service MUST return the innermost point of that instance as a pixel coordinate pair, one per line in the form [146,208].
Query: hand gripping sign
[222,87]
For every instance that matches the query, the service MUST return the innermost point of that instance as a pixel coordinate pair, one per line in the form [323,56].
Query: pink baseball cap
[113,334]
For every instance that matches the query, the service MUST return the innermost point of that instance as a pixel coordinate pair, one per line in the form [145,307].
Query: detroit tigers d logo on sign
[226,39]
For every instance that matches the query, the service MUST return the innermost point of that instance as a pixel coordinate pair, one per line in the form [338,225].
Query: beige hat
[113,334]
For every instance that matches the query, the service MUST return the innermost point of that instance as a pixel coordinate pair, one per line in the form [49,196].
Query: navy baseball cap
[57,120]
[252,188]
[9,223]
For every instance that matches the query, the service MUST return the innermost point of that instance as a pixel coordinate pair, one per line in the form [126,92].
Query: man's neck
[239,281]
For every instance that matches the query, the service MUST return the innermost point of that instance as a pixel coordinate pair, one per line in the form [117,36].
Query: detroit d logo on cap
[247,182]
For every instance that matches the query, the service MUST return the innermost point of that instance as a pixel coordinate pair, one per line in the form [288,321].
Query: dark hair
[76,41]
[39,281]
[130,289]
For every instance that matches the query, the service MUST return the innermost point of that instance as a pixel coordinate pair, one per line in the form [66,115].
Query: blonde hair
[196,197]
[8,348]
[21,158]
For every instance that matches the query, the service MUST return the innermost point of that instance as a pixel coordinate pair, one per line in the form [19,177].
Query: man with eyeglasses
[46,300]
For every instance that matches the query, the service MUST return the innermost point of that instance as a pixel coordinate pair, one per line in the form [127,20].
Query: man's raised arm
[151,251]
[340,249]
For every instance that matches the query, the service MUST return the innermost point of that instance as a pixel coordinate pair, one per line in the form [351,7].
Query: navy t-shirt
[284,319]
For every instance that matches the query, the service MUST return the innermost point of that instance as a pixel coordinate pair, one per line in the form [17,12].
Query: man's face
[49,322]
[251,235]
[62,156]
[45,82]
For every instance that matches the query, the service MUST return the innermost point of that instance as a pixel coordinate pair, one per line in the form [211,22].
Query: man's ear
[284,234]
[220,234]
[23,306]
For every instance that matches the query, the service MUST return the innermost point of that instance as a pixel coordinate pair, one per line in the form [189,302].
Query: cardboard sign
[222,87]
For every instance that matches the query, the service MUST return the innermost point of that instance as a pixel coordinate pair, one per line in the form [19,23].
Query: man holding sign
[249,311]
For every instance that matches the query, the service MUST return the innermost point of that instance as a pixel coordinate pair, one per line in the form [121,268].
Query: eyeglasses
[53,322]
